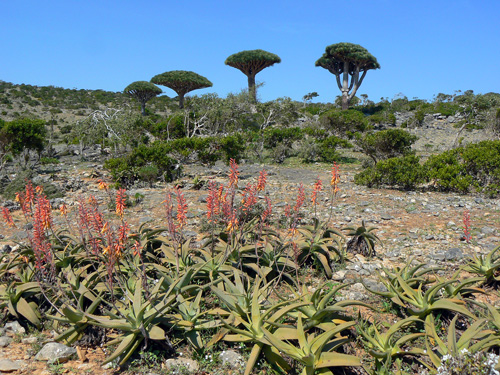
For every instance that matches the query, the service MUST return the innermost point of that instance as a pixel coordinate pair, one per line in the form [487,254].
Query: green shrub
[343,123]
[419,116]
[316,133]
[148,173]
[386,144]
[125,170]
[23,134]
[446,172]
[47,160]
[163,157]
[447,109]
[233,146]
[404,172]
[285,136]
[382,118]
[18,184]
[172,128]
[475,166]
[313,109]
[328,148]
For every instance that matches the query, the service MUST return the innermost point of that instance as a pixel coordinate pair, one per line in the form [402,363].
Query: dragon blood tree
[142,91]
[250,63]
[349,62]
[182,82]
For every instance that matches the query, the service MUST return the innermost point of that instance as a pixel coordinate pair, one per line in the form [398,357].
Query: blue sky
[423,47]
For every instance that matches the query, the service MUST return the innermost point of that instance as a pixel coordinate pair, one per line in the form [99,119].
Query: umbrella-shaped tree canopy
[182,82]
[250,63]
[348,60]
[142,91]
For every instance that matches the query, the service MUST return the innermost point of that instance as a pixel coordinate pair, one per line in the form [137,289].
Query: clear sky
[424,47]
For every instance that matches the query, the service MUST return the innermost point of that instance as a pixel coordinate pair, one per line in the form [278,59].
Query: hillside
[65,106]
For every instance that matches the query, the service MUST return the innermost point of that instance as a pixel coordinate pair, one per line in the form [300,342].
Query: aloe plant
[461,288]
[473,339]
[323,245]
[268,259]
[413,275]
[421,303]
[386,346]
[136,317]
[191,319]
[16,298]
[310,351]
[77,319]
[486,266]
[321,311]
[249,317]
[362,240]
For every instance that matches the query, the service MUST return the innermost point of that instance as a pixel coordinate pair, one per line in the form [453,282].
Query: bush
[328,146]
[148,173]
[386,144]
[23,134]
[209,149]
[464,169]
[285,136]
[48,160]
[19,182]
[343,123]
[405,172]
[473,166]
[125,170]
[382,118]
[232,146]
[172,128]
[163,157]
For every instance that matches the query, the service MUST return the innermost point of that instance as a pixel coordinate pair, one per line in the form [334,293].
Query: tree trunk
[251,88]
[345,86]
[143,108]
[181,101]
[345,101]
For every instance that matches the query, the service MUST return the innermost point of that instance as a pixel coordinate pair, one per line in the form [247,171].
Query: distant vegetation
[211,128]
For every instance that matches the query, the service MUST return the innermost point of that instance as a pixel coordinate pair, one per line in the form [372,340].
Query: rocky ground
[424,226]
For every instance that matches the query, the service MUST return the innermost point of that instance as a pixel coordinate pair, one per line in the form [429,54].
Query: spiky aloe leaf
[126,348]
[449,304]
[254,356]
[275,359]
[332,359]
[29,311]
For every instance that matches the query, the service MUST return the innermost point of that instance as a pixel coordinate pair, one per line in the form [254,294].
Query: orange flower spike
[30,193]
[261,182]
[181,209]
[102,185]
[8,217]
[335,180]
[123,234]
[105,228]
[121,196]
[233,173]
[63,209]
[137,248]
[44,211]
[213,201]
[318,186]
[233,224]
[249,198]
[301,197]
[268,211]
